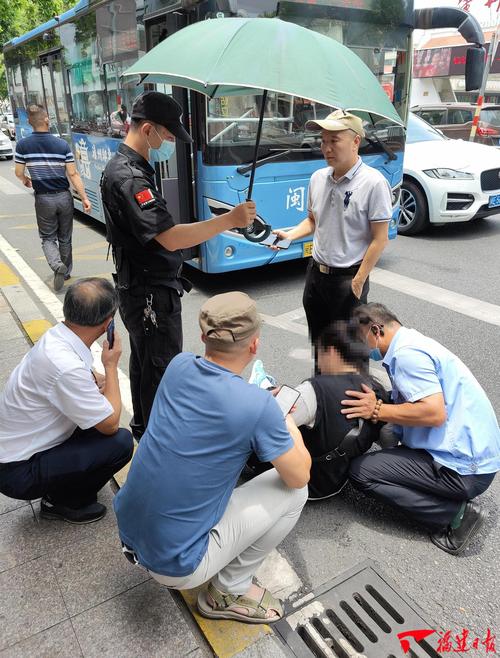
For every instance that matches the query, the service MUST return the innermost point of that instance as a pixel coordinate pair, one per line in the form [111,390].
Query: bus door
[55,94]
[176,175]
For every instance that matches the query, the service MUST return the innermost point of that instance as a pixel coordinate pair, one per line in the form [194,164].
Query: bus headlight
[228,252]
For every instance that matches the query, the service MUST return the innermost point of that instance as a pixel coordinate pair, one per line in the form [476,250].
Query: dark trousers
[414,483]
[71,473]
[151,352]
[329,297]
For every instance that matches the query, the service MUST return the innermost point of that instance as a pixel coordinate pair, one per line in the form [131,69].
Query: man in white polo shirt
[349,209]
[59,422]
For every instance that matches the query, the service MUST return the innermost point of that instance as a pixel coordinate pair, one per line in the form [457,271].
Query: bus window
[33,82]
[120,97]
[85,79]
[50,102]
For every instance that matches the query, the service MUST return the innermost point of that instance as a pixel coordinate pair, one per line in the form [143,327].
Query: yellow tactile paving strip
[36,328]
[227,638]
[7,276]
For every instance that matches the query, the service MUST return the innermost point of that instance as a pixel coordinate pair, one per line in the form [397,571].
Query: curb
[22,306]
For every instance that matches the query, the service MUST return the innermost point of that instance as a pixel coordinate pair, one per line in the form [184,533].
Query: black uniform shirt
[138,214]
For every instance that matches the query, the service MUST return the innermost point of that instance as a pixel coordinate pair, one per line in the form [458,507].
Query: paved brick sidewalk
[67,590]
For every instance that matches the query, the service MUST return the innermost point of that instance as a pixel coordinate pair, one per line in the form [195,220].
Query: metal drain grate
[359,614]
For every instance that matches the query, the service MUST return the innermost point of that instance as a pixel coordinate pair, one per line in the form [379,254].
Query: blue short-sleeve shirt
[204,424]
[469,440]
[46,157]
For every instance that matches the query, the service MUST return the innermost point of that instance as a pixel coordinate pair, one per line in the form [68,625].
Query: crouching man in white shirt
[60,438]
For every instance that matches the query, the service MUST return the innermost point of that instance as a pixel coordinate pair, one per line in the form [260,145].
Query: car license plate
[494,201]
[307,248]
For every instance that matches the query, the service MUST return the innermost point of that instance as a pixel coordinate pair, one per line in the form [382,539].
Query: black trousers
[151,352]
[71,473]
[329,297]
[414,483]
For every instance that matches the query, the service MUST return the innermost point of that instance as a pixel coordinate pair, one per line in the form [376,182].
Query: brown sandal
[225,604]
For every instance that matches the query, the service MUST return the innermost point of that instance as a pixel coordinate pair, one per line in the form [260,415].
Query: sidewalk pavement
[67,590]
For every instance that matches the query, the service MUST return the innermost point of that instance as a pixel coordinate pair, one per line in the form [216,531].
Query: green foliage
[20,16]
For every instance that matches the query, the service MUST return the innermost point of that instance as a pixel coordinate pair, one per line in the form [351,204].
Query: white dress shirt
[49,394]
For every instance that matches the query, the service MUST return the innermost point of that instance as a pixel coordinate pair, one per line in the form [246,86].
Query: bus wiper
[387,150]
[244,169]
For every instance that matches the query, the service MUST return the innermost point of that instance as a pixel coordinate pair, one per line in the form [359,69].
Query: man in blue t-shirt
[450,439]
[51,167]
[180,513]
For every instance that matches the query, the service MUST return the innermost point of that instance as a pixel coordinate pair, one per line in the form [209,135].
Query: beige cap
[229,317]
[338,120]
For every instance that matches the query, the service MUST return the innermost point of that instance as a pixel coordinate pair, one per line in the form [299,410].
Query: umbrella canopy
[234,56]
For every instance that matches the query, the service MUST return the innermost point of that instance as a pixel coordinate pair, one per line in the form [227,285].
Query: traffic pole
[480,99]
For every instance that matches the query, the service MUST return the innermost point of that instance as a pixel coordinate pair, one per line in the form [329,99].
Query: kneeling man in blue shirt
[180,513]
[449,447]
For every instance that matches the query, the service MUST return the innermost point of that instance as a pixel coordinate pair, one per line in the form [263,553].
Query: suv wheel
[413,211]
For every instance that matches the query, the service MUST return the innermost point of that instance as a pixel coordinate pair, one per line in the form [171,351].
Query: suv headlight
[448,174]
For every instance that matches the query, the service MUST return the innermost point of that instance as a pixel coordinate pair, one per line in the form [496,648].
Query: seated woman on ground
[331,438]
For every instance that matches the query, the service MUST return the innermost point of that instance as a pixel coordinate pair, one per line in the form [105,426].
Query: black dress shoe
[87,514]
[455,540]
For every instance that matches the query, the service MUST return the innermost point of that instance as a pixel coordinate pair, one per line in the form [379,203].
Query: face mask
[163,152]
[375,353]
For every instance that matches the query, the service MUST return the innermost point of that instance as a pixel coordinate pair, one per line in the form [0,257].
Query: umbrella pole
[257,143]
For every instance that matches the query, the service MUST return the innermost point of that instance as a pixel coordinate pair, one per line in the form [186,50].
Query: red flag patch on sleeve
[144,198]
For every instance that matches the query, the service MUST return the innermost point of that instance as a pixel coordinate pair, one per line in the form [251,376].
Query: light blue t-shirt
[204,424]
[469,440]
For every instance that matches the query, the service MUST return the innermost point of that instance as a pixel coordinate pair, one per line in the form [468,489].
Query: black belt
[336,271]
[51,192]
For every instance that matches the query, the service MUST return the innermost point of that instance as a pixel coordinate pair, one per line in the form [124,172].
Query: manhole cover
[359,614]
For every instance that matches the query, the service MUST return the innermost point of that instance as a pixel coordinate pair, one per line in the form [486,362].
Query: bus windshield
[380,39]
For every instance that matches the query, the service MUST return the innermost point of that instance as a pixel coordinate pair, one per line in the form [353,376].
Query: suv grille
[490,180]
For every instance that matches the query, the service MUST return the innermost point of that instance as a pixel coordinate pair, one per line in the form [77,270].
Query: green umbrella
[234,56]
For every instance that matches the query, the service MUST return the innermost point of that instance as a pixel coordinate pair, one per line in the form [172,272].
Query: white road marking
[7,187]
[454,301]
[301,354]
[285,323]
[55,308]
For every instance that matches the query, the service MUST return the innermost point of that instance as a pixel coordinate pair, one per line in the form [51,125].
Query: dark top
[135,214]
[329,469]
[46,157]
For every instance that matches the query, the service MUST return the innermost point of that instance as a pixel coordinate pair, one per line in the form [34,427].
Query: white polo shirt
[342,211]
[49,394]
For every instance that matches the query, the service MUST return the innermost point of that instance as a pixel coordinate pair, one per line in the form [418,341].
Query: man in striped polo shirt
[51,168]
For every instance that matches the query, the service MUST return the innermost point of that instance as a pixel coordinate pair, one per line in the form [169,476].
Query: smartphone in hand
[110,334]
[286,398]
[274,240]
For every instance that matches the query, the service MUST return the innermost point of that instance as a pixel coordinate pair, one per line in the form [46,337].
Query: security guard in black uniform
[147,245]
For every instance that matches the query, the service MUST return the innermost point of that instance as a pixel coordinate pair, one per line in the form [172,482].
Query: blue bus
[73,64]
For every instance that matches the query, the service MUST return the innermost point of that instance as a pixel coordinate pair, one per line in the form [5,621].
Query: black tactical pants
[151,348]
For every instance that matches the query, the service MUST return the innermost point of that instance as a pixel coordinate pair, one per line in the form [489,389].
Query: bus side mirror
[474,68]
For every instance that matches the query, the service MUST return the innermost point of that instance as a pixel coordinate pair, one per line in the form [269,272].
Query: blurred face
[340,148]
[330,361]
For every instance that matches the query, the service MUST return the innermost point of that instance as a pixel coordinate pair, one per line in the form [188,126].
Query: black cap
[162,109]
